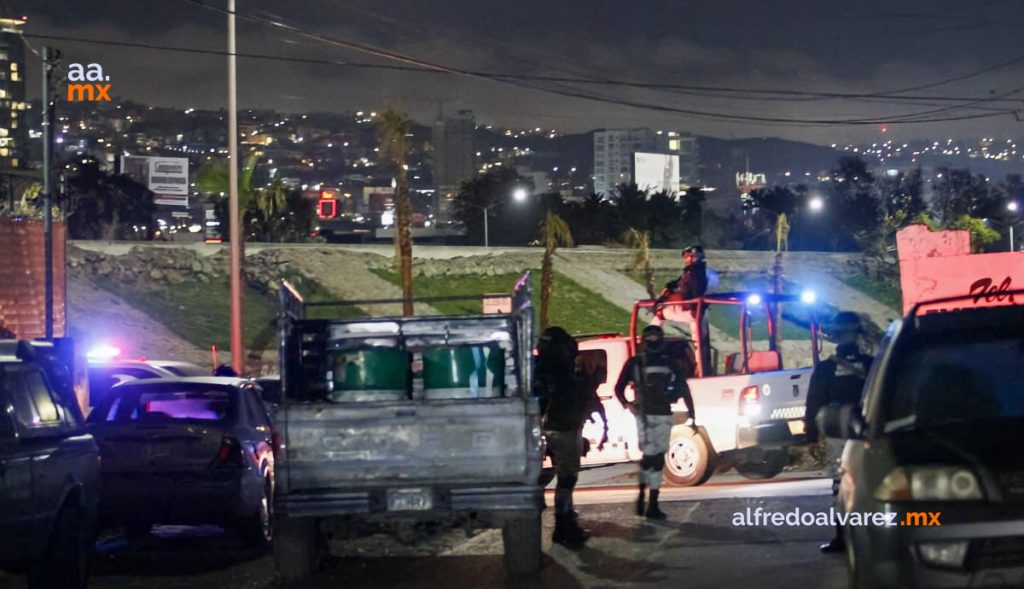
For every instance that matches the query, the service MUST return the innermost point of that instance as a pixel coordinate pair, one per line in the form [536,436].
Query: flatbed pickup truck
[750,408]
[404,421]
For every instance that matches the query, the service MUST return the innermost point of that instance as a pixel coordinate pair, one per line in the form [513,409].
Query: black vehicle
[938,442]
[49,475]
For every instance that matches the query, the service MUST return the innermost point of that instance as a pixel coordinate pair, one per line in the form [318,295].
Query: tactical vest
[655,385]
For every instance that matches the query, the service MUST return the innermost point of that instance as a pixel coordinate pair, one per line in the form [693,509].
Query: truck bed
[382,444]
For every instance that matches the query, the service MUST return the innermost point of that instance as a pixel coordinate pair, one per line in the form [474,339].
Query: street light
[1012,206]
[816,204]
[519,194]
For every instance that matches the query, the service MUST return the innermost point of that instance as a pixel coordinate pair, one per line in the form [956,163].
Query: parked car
[107,374]
[186,451]
[49,475]
[938,438]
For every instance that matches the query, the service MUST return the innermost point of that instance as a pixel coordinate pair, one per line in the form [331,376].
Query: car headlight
[929,483]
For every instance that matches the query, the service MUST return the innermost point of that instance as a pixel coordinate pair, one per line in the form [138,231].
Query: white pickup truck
[750,408]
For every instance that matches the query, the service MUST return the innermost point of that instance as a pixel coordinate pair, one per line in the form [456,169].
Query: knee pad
[566,482]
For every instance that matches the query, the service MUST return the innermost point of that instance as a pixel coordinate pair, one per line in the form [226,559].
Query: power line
[414,65]
[697,90]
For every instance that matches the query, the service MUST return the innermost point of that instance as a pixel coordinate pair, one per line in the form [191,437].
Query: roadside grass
[573,307]
[880,290]
[200,312]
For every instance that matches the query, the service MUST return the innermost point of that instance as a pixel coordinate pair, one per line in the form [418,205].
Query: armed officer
[659,381]
[568,396]
[838,380]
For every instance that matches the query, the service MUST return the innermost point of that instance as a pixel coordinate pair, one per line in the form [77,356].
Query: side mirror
[844,422]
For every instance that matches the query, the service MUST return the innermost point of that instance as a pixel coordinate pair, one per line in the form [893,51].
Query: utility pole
[235,230]
[487,236]
[50,57]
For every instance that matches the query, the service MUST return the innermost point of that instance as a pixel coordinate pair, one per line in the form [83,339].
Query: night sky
[863,47]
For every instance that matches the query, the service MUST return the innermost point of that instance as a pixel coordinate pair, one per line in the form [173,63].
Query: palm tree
[781,245]
[641,242]
[555,232]
[267,201]
[394,138]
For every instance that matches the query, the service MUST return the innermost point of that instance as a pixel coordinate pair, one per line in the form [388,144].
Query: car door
[16,508]
[46,428]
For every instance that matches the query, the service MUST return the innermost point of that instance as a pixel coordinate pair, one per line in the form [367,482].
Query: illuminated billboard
[656,172]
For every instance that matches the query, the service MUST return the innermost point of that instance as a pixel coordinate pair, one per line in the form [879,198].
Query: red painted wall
[939,264]
[22,278]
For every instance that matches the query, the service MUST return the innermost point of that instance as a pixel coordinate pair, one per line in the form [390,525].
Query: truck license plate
[410,500]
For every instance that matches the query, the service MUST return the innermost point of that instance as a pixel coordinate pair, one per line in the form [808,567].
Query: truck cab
[400,421]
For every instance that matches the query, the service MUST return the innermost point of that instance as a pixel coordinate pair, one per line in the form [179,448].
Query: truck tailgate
[379,444]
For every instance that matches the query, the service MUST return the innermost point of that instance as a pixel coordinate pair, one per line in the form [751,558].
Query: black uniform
[692,283]
[838,380]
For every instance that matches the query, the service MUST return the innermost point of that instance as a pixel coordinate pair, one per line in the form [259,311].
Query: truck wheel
[762,465]
[296,548]
[66,562]
[688,460]
[521,536]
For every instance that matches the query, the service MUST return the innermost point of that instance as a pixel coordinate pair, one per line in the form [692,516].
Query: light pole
[519,194]
[235,231]
[1013,207]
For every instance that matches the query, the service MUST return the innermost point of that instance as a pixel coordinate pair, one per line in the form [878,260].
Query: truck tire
[521,537]
[763,464]
[296,548]
[688,461]
[66,562]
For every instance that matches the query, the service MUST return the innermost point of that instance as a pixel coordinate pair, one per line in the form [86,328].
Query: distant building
[13,130]
[454,153]
[615,150]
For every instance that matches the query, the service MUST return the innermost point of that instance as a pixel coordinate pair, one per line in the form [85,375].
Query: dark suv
[49,472]
[934,454]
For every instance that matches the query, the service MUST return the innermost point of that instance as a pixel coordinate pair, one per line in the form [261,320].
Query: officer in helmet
[693,282]
[838,380]
[659,380]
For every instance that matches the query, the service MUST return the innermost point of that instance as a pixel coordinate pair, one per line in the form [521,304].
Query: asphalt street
[697,547]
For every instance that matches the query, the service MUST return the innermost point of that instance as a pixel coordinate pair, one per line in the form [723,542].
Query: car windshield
[165,403]
[957,380]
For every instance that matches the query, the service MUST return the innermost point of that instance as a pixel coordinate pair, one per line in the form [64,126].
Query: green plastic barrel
[371,374]
[461,372]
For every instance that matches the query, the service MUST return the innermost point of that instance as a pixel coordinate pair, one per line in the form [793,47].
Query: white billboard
[655,172]
[166,177]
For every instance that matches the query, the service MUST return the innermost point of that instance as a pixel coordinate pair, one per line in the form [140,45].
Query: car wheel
[688,460]
[521,537]
[258,530]
[297,548]
[762,465]
[66,562]
[858,572]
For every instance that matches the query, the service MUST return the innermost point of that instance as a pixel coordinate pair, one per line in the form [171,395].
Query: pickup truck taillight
[229,455]
[750,401]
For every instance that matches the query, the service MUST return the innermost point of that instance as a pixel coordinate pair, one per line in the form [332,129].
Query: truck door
[17,512]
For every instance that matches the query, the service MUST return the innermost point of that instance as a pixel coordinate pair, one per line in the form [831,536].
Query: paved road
[698,547]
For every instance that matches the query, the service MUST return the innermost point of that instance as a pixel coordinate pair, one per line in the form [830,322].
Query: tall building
[13,130]
[454,153]
[614,151]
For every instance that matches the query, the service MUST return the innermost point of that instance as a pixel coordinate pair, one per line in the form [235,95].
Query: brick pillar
[23,278]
